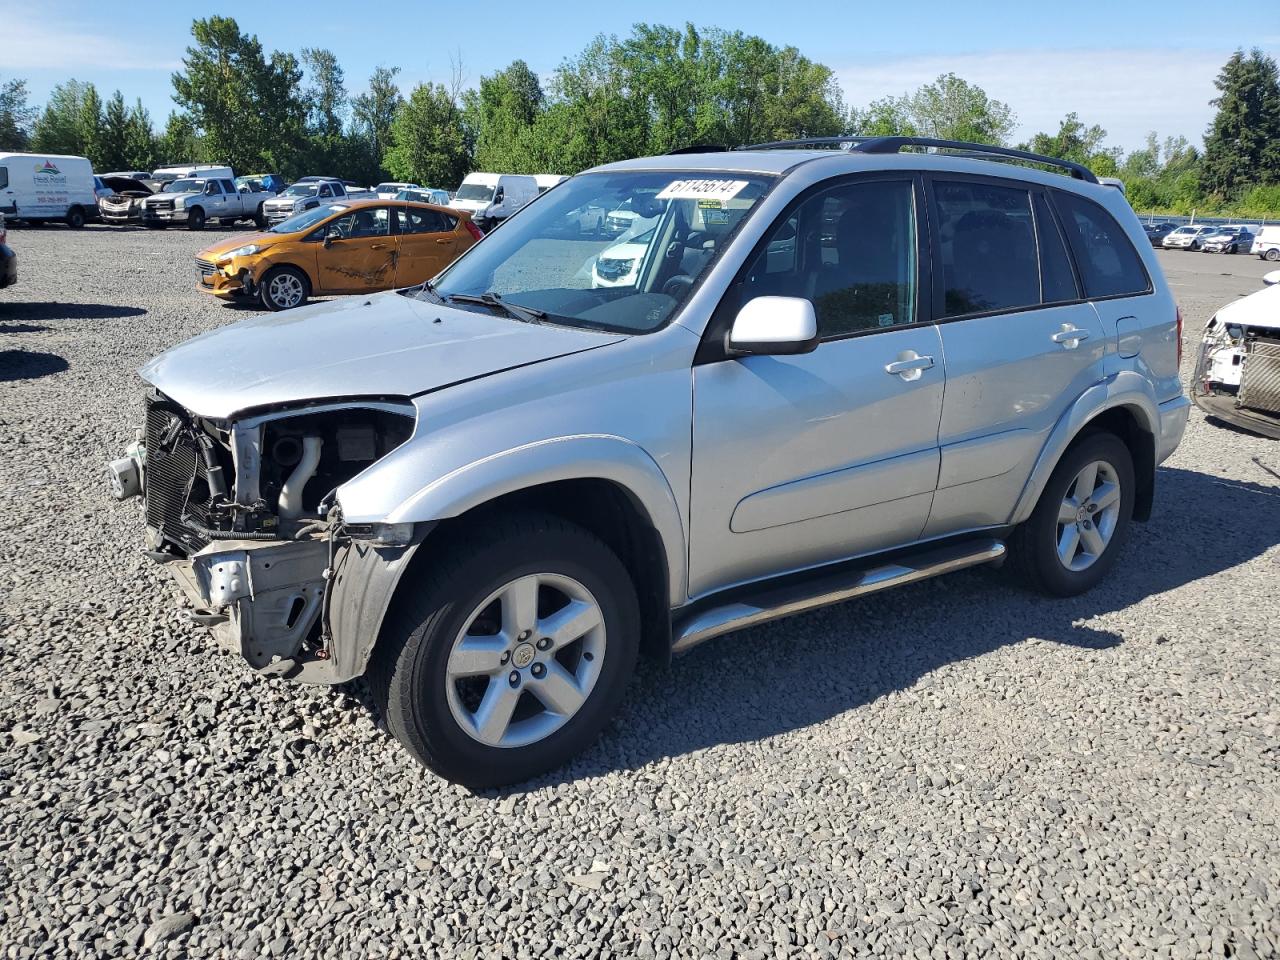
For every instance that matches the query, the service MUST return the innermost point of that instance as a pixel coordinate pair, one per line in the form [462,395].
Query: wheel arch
[1123,405]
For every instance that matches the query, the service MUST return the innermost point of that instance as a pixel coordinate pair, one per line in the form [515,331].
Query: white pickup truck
[308,193]
[197,200]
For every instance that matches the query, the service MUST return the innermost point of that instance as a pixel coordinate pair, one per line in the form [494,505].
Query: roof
[780,161]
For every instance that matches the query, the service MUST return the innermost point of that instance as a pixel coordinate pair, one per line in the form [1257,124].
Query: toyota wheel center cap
[523,655]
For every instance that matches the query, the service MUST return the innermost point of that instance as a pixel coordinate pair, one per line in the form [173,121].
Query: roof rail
[977,151]
[698,148]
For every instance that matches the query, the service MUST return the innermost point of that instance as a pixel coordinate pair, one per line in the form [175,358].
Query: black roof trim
[976,151]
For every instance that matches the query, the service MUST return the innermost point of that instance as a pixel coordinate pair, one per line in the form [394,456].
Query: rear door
[428,242]
[1021,342]
[360,255]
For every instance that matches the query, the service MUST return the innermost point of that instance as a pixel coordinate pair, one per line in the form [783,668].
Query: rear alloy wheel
[511,654]
[1273,255]
[283,289]
[1072,537]
[195,219]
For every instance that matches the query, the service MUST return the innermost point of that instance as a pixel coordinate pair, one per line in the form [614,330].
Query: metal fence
[1181,220]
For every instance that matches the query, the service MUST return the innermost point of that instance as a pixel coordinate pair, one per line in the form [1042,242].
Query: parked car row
[1220,238]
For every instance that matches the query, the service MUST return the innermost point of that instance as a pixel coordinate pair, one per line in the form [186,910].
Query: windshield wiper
[491,299]
[426,287]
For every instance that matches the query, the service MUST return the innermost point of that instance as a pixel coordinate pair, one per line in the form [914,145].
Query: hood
[223,247]
[375,346]
[1259,309]
[471,206]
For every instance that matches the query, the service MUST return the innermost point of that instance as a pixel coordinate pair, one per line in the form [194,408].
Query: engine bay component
[125,478]
[291,492]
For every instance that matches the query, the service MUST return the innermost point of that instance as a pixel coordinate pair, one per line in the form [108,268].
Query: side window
[1109,266]
[228,186]
[325,191]
[988,248]
[4,177]
[211,189]
[369,222]
[851,251]
[1057,282]
[424,221]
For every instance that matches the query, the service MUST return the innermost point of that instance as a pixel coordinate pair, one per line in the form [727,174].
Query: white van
[185,171]
[546,181]
[1266,243]
[492,197]
[36,187]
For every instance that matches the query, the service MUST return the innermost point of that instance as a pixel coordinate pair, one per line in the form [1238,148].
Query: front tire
[1079,524]
[260,219]
[510,655]
[1272,255]
[195,219]
[284,288]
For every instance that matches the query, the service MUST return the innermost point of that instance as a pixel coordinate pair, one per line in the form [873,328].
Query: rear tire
[1045,552]
[468,720]
[1272,255]
[75,218]
[283,288]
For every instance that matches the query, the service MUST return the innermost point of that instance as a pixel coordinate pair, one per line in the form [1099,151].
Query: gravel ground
[954,769]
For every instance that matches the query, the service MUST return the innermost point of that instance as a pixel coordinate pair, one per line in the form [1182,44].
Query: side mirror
[1272,278]
[774,326]
[332,234]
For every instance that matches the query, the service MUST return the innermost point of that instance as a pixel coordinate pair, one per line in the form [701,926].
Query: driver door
[358,253]
[807,459]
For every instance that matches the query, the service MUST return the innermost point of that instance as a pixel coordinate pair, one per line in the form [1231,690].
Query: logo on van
[47,168]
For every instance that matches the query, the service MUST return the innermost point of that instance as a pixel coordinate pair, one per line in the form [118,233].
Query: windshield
[475,191]
[186,186]
[302,190]
[388,187]
[307,219]
[553,256]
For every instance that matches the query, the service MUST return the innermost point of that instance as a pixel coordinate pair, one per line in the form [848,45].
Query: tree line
[657,89]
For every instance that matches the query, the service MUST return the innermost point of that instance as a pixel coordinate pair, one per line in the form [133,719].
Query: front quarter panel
[620,413]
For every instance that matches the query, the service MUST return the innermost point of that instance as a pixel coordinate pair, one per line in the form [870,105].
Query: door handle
[444,239]
[1070,336]
[909,365]
[377,246]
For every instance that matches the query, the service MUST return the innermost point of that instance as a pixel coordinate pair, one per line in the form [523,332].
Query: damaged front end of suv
[1237,375]
[242,512]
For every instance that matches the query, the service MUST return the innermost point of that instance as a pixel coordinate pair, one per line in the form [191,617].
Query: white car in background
[388,191]
[1266,243]
[617,264]
[1237,377]
[1186,238]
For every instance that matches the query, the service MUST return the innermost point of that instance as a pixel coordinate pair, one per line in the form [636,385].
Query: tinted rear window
[1109,265]
[988,247]
[1057,282]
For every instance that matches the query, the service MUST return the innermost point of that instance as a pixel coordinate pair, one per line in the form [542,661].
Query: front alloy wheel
[283,289]
[507,649]
[517,673]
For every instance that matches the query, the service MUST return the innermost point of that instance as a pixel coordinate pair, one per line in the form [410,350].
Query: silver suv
[831,372]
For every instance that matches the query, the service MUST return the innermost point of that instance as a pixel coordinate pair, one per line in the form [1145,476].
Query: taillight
[476,231]
[1179,309]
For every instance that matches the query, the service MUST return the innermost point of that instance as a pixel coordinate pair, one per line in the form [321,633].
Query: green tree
[427,143]
[179,143]
[886,117]
[16,115]
[89,126]
[954,109]
[372,114]
[244,104]
[113,151]
[501,116]
[326,93]
[1073,141]
[140,143]
[1242,144]
[59,128]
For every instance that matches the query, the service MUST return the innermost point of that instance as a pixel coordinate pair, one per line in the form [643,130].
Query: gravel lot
[954,769]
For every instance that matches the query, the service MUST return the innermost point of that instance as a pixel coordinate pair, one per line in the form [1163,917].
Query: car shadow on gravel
[29,365]
[21,328]
[52,310]
[804,670]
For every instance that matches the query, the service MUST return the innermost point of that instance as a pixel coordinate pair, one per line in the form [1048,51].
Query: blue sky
[1131,67]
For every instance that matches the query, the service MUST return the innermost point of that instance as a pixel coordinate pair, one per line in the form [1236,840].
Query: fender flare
[583,457]
[1125,389]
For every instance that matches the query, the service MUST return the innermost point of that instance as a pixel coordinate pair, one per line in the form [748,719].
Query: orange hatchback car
[356,247]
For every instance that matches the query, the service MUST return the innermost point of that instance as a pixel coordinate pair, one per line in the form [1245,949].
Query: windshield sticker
[719,190]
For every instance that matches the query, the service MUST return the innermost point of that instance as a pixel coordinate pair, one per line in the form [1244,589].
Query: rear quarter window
[1109,265]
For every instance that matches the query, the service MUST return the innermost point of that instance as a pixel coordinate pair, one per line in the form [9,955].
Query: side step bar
[777,602]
